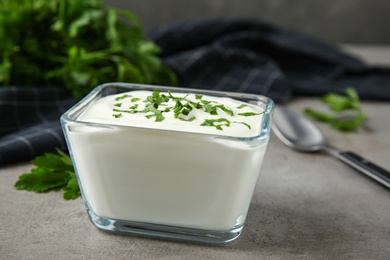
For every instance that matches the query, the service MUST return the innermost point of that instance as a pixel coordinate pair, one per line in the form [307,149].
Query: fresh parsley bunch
[348,114]
[52,172]
[75,44]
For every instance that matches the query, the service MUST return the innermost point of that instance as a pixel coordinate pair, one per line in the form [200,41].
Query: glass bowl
[173,184]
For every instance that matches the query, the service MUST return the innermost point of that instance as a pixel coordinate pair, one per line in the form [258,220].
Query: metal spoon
[300,134]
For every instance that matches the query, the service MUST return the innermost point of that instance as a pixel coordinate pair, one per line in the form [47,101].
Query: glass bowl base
[165,231]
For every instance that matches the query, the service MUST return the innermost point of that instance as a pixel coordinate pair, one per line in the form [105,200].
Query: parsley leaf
[117,115]
[72,190]
[52,172]
[42,179]
[340,105]
[250,114]
[243,123]
[187,120]
[217,123]
[122,97]
[226,110]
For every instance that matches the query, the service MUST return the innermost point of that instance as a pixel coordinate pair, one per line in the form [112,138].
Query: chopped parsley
[250,114]
[198,96]
[217,123]
[187,120]
[157,103]
[225,109]
[122,97]
[117,115]
[245,124]
[134,107]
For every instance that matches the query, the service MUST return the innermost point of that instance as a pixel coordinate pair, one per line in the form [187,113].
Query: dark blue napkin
[227,55]
[250,56]
[29,124]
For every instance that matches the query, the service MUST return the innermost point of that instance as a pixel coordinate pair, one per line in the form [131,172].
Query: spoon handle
[370,169]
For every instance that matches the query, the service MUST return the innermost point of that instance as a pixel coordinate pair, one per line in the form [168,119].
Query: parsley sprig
[75,44]
[347,112]
[52,172]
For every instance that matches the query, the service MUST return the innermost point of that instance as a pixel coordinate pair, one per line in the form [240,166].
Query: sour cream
[124,109]
[172,172]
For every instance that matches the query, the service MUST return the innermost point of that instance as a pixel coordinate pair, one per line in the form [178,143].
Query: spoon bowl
[297,131]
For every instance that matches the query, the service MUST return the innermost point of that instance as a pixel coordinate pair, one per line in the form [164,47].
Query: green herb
[205,101]
[187,120]
[226,110]
[210,109]
[117,115]
[182,109]
[250,114]
[156,98]
[177,109]
[125,111]
[134,107]
[75,44]
[197,105]
[243,123]
[53,172]
[156,113]
[217,123]
[122,97]
[347,116]
[118,104]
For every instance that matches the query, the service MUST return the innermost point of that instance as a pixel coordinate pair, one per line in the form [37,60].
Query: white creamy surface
[102,112]
[165,177]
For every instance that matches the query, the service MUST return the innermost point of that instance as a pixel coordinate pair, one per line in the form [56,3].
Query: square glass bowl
[165,183]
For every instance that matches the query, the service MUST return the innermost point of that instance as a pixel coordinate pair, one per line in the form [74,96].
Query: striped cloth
[29,124]
[227,55]
[250,56]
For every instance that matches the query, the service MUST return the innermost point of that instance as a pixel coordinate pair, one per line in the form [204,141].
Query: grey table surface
[305,206]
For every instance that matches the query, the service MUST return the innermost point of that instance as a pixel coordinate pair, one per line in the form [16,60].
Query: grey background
[334,21]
